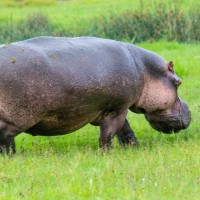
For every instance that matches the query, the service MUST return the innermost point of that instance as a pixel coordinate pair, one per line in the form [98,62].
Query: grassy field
[72,166]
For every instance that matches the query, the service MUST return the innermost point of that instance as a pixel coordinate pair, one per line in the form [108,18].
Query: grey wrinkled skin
[53,86]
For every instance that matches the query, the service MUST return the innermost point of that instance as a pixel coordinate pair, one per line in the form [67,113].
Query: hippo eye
[177,80]
[142,110]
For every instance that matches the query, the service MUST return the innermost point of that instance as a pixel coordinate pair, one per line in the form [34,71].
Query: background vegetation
[72,166]
[135,21]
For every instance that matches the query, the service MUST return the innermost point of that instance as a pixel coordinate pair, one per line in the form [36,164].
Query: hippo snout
[172,120]
[185,114]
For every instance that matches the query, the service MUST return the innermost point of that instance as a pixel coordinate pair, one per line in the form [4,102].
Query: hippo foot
[8,148]
[127,139]
[126,136]
[105,142]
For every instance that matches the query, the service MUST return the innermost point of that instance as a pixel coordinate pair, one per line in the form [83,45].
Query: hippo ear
[171,66]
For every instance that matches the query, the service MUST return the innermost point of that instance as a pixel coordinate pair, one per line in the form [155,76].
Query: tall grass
[158,23]
[36,24]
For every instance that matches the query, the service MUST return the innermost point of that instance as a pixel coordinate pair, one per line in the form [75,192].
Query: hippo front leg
[126,136]
[110,126]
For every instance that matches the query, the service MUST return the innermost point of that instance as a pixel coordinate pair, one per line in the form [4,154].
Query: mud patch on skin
[13,60]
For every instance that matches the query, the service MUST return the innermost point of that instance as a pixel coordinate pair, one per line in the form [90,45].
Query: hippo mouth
[173,121]
[166,124]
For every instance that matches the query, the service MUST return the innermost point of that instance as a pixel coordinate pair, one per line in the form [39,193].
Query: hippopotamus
[55,85]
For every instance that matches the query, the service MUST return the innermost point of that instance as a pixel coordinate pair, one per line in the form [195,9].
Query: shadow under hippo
[54,86]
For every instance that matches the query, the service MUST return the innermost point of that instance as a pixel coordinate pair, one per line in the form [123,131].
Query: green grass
[72,166]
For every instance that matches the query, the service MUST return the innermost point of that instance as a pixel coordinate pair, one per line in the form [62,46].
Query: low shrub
[160,23]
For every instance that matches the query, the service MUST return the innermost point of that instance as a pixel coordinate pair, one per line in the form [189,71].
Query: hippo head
[160,103]
[170,120]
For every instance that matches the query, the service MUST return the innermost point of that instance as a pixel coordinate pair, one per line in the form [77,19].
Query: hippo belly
[63,123]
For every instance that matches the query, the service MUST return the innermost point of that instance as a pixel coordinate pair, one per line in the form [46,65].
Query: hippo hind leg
[126,136]
[8,146]
[7,142]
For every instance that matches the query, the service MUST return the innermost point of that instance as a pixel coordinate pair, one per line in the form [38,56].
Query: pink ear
[170,66]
